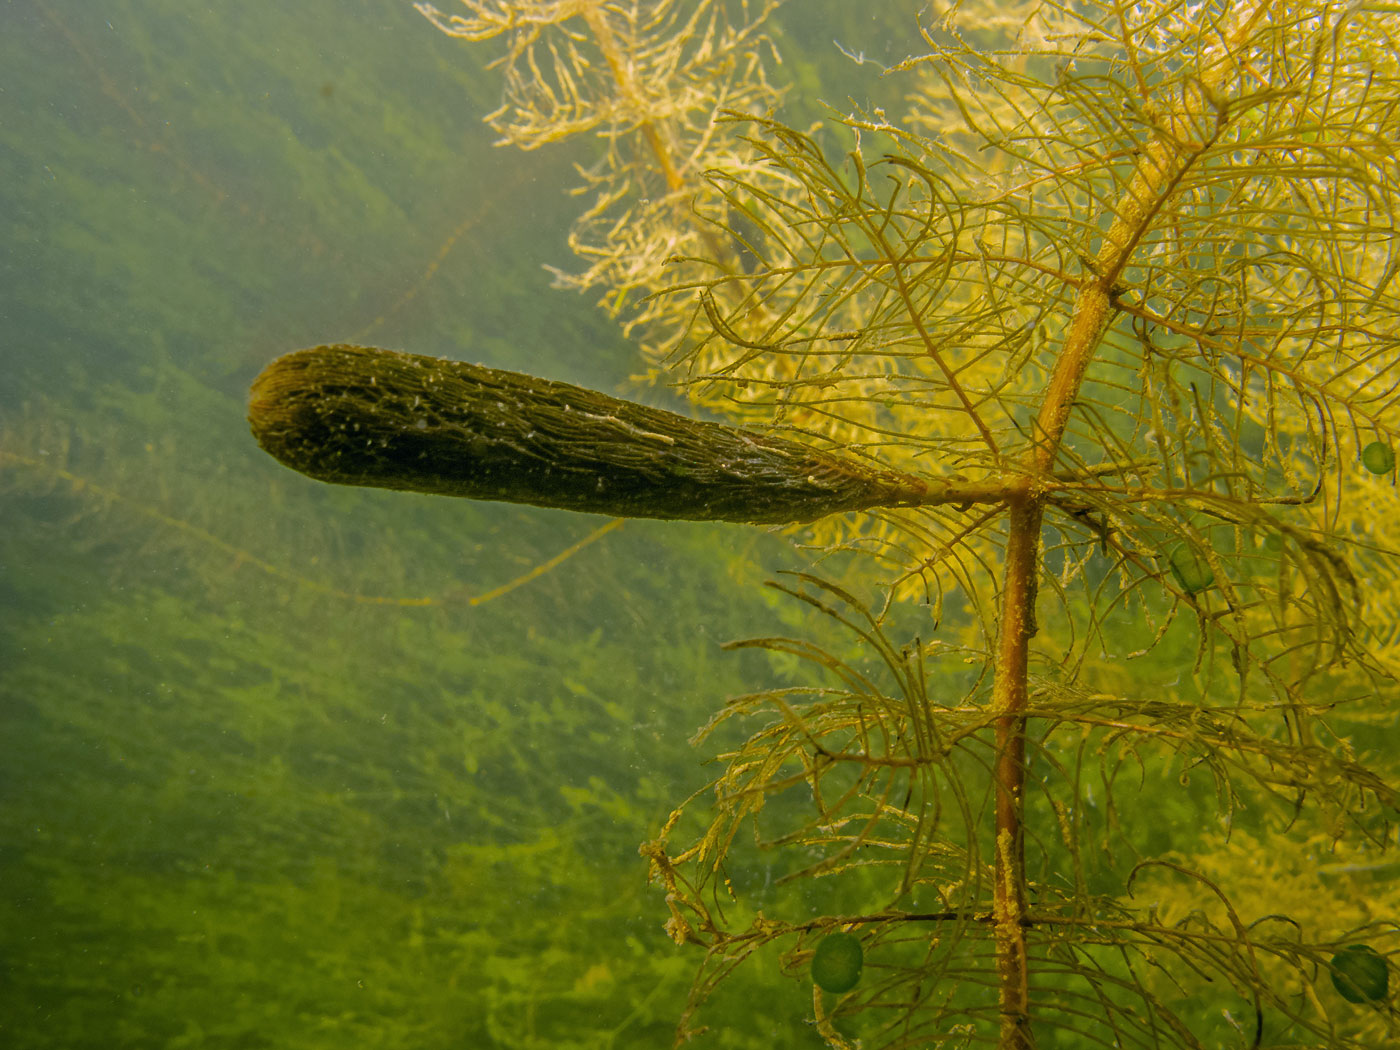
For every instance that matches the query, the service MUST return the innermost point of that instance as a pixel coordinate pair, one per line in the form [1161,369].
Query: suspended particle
[1359,974]
[1378,458]
[837,962]
[1191,569]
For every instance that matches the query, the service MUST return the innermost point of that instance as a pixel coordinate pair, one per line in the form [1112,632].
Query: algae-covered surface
[289,766]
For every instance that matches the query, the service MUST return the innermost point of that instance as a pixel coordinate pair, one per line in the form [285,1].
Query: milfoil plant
[1127,274]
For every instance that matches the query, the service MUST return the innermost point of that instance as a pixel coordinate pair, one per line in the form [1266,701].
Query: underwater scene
[613,524]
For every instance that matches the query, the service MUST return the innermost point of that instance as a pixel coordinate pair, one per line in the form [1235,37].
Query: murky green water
[267,777]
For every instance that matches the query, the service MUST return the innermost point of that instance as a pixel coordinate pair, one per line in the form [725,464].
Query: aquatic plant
[1134,266]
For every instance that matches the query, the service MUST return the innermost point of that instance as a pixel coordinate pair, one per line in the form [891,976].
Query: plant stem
[1092,312]
[627,87]
[1157,172]
[1009,705]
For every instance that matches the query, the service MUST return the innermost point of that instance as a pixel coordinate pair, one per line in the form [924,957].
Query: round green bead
[837,962]
[1359,974]
[1378,458]
[1191,569]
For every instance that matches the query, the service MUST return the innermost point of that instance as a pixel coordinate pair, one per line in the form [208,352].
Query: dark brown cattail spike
[363,416]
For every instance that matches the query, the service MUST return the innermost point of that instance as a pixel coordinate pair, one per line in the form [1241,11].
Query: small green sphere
[1378,458]
[1359,974]
[837,962]
[1191,569]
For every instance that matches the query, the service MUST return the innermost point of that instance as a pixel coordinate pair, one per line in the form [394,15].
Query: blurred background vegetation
[241,804]
[268,775]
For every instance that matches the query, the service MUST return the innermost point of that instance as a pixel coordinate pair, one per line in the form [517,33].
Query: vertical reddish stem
[1009,705]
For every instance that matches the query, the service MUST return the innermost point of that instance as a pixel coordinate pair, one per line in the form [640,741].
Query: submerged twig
[357,415]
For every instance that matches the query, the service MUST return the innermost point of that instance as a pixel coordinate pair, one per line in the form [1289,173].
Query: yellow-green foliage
[1302,894]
